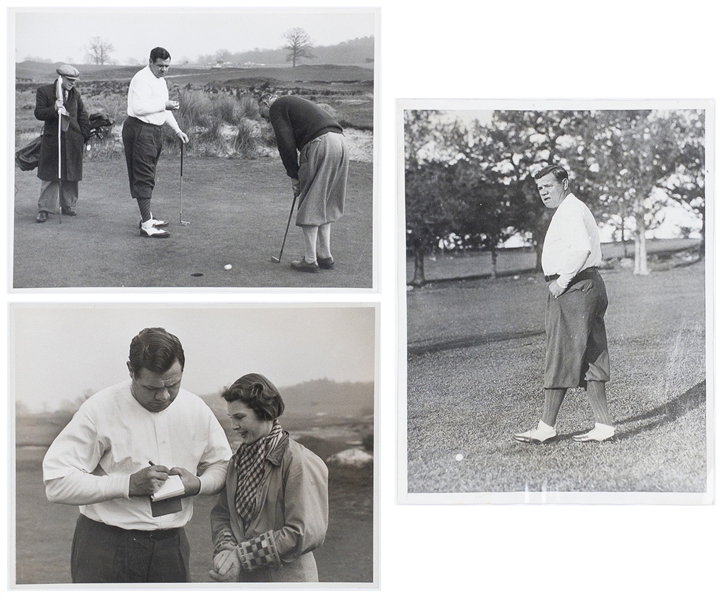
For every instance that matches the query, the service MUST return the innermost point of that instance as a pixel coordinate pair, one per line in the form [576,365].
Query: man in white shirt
[148,109]
[577,347]
[119,449]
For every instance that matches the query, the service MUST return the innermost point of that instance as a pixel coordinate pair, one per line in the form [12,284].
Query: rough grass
[475,376]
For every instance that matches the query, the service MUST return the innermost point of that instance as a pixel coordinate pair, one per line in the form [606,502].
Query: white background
[509,50]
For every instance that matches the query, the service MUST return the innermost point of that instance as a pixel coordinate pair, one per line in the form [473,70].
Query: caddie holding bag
[60,167]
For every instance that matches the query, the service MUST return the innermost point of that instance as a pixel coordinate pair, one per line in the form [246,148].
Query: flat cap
[67,71]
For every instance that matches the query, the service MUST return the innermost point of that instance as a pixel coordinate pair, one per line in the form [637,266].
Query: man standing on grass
[148,109]
[312,147]
[75,132]
[577,348]
[120,447]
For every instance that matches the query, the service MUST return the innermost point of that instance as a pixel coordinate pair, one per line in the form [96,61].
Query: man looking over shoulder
[148,109]
[577,347]
[122,444]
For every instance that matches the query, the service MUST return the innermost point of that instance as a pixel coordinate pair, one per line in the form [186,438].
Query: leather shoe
[152,232]
[154,223]
[599,433]
[306,267]
[538,435]
[69,211]
[42,217]
[325,263]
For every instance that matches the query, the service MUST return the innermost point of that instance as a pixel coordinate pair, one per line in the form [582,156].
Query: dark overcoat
[72,140]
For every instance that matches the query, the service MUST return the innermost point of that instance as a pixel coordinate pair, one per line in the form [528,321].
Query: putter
[181,190]
[286,231]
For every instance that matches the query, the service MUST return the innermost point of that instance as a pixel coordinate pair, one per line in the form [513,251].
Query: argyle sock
[144,204]
[596,392]
[553,400]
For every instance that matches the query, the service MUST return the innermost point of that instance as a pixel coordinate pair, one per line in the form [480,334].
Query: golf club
[286,231]
[59,96]
[181,190]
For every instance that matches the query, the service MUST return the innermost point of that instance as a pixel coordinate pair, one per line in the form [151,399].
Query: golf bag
[28,157]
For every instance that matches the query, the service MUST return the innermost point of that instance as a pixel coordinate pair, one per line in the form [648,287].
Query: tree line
[471,186]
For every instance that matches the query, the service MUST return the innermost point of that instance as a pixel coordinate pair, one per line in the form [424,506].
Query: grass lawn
[44,531]
[475,370]
[238,211]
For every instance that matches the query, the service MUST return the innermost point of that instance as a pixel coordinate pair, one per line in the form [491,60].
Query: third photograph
[556,330]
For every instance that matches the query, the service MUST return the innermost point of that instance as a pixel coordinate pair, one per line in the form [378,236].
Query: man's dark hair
[156,350]
[159,52]
[258,393]
[559,172]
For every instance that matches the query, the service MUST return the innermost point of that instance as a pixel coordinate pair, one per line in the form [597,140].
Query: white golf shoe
[541,433]
[148,229]
[154,222]
[599,433]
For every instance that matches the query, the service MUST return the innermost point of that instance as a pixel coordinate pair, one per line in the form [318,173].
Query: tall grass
[195,109]
[246,143]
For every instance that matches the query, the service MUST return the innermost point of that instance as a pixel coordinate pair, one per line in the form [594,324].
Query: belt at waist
[588,273]
[138,121]
[150,534]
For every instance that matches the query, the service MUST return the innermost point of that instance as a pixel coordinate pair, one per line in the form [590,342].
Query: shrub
[226,108]
[195,109]
[249,106]
[247,140]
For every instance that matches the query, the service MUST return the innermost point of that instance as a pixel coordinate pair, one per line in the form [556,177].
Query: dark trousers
[577,346]
[142,143]
[105,554]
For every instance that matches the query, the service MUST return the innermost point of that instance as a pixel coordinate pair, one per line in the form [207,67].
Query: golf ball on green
[227,267]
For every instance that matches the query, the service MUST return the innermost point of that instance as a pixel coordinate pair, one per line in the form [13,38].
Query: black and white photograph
[344,206]
[555,277]
[262,417]
[213,148]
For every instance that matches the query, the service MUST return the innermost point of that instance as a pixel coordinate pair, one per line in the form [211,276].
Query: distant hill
[314,404]
[267,63]
[360,51]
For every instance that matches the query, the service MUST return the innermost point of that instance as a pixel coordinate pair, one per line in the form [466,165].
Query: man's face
[159,66]
[552,191]
[246,424]
[68,83]
[156,391]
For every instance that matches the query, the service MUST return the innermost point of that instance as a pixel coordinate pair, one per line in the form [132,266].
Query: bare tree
[299,45]
[98,52]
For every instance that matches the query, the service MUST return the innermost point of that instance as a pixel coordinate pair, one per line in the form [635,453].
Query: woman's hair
[258,393]
[156,350]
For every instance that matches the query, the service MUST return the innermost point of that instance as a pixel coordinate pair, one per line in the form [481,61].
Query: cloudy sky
[59,351]
[61,34]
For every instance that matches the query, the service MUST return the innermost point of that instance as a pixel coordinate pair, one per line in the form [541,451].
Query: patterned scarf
[249,462]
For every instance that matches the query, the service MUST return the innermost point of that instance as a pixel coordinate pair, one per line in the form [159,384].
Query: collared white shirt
[112,436]
[572,229]
[147,97]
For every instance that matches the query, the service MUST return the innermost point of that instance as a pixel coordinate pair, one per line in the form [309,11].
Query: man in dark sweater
[312,147]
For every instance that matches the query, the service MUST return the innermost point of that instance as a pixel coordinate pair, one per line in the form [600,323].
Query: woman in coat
[274,510]
[75,132]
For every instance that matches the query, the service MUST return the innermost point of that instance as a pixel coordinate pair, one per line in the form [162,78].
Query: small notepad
[171,488]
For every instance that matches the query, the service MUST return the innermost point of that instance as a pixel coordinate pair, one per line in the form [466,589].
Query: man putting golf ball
[312,147]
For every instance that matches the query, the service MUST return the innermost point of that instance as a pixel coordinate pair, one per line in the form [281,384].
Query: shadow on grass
[668,412]
[469,341]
